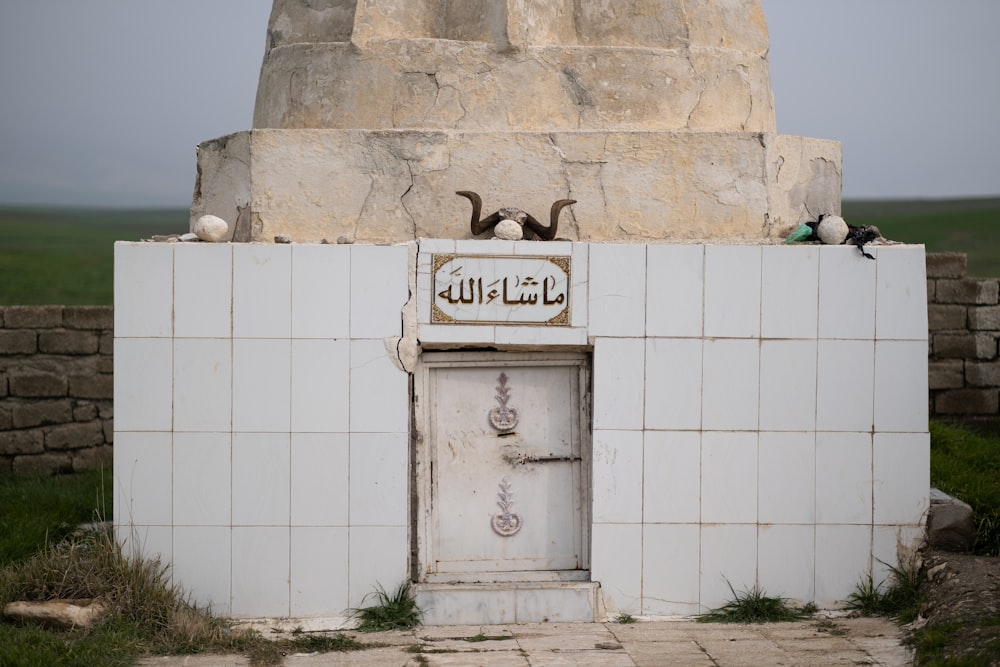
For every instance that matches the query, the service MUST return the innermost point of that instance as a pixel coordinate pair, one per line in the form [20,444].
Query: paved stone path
[681,643]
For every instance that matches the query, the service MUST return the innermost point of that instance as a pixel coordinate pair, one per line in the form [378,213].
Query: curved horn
[549,233]
[478,226]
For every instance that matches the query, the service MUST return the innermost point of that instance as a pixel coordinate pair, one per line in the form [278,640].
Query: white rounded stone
[832,230]
[508,230]
[211,228]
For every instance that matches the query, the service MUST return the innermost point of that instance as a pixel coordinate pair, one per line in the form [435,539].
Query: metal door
[506,483]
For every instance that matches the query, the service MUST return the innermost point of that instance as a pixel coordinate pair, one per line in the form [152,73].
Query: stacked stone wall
[56,388]
[963,316]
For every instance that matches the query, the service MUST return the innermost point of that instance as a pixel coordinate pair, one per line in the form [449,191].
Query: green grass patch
[753,606]
[391,611]
[971,226]
[39,510]
[898,597]
[66,256]
[966,464]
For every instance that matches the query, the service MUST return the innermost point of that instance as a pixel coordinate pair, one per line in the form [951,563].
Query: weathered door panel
[508,480]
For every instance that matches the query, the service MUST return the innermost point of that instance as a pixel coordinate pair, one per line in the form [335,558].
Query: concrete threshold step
[508,602]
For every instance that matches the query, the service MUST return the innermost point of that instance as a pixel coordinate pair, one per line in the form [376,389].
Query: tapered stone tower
[657,117]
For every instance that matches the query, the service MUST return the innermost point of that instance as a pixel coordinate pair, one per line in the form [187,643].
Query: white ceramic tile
[579,313]
[789,292]
[671,477]
[670,566]
[728,558]
[846,293]
[901,467]
[378,557]
[262,290]
[203,290]
[617,477]
[455,333]
[319,571]
[894,547]
[147,542]
[786,558]
[901,386]
[547,249]
[484,246]
[201,485]
[144,290]
[320,472]
[901,293]
[732,291]
[843,477]
[617,289]
[261,385]
[142,474]
[844,385]
[202,564]
[321,291]
[425,295]
[843,559]
[203,384]
[618,383]
[787,477]
[540,335]
[673,383]
[379,390]
[260,572]
[261,473]
[142,388]
[730,384]
[787,385]
[674,290]
[616,562]
[379,474]
[436,246]
[379,289]
[321,372]
[728,477]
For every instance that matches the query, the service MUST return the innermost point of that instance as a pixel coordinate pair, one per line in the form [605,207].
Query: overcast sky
[102,102]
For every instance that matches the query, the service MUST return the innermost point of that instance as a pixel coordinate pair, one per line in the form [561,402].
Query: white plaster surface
[270,462]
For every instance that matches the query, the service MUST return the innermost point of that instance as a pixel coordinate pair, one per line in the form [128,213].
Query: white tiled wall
[759,415]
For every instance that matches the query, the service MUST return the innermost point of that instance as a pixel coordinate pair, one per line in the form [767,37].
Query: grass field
[65,256]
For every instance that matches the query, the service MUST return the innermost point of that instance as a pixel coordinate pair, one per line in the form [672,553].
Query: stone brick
[18,342]
[105,363]
[68,342]
[32,317]
[945,318]
[984,318]
[41,413]
[6,420]
[30,441]
[105,410]
[3,385]
[107,345]
[983,291]
[84,411]
[965,346]
[947,264]
[92,386]
[93,458]
[967,402]
[931,287]
[88,317]
[38,385]
[947,374]
[74,436]
[979,374]
[109,431]
[43,464]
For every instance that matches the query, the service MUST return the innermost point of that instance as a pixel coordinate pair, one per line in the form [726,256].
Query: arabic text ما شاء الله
[487,294]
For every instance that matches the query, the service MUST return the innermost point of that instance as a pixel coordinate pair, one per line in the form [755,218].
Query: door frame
[423,453]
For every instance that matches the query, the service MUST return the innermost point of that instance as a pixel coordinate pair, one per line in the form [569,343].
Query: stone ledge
[947,264]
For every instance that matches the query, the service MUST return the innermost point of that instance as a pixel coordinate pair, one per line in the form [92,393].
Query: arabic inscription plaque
[500,290]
